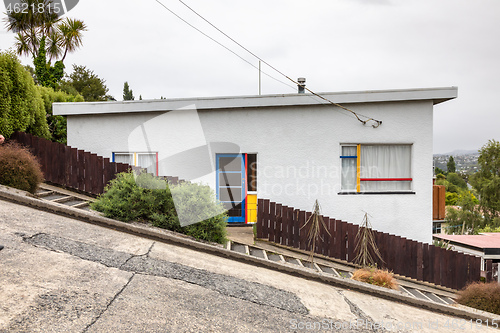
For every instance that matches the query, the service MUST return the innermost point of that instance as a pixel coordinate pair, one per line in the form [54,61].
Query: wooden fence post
[260,213]
[489,270]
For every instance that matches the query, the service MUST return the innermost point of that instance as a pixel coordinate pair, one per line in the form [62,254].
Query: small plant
[365,245]
[378,277]
[19,168]
[481,296]
[316,221]
[442,244]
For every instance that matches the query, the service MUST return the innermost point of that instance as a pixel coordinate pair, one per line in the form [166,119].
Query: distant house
[485,245]
[291,149]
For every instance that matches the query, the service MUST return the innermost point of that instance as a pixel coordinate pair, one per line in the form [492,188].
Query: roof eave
[437,95]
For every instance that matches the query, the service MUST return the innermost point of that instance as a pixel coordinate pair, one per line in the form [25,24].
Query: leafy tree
[41,34]
[57,124]
[451,199]
[440,176]
[468,219]
[47,75]
[128,95]
[456,180]
[438,171]
[487,180]
[83,81]
[21,106]
[451,165]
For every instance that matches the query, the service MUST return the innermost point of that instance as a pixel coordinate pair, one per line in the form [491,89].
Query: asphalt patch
[226,285]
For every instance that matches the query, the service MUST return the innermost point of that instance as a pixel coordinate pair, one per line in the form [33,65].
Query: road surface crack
[364,320]
[138,255]
[109,304]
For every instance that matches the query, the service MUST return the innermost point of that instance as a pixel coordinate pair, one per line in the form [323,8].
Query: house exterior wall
[298,153]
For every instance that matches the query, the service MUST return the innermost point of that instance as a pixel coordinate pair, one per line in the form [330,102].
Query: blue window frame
[231,189]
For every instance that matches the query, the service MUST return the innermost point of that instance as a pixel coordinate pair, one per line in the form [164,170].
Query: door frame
[243,217]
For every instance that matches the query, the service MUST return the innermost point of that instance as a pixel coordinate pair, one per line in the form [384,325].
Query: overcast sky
[338,45]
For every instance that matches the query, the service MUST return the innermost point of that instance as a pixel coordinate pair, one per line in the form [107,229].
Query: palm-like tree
[61,36]
[70,31]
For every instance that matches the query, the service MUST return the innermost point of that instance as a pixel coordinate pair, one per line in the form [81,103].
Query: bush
[375,276]
[19,169]
[174,207]
[21,107]
[482,296]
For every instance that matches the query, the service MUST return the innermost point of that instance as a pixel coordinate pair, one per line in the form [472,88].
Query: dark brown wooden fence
[424,262]
[71,167]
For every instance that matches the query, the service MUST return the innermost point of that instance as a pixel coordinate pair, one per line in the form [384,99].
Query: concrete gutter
[142,230]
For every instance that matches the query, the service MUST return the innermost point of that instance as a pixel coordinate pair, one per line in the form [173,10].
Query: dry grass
[378,277]
[482,296]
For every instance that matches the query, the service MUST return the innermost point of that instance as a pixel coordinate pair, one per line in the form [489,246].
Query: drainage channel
[67,198]
[412,289]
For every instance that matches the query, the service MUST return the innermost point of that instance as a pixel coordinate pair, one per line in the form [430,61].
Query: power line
[377,122]
[214,40]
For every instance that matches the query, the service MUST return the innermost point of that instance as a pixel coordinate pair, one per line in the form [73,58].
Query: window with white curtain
[127,158]
[143,160]
[147,161]
[376,168]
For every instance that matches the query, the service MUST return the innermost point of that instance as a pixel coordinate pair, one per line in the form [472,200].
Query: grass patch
[378,277]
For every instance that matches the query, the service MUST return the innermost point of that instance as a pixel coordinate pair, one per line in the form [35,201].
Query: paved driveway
[62,275]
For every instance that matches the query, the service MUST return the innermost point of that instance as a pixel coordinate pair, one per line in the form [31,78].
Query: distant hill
[465,160]
[460,152]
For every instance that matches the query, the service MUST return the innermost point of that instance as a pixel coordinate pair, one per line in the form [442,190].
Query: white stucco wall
[298,149]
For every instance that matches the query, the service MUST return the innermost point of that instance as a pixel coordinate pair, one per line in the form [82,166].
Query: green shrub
[482,296]
[19,169]
[173,207]
[21,107]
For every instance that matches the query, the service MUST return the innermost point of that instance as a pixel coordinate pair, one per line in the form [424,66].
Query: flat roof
[487,240]
[437,95]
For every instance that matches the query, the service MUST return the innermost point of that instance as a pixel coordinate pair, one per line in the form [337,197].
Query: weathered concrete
[59,274]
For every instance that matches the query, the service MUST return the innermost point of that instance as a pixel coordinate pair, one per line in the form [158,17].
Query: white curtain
[147,161]
[349,168]
[385,161]
[127,158]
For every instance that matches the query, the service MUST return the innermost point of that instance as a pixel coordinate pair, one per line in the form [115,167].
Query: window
[376,168]
[148,161]
[436,228]
[252,172]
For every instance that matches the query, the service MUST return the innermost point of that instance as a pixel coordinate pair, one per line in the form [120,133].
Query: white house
[291,149]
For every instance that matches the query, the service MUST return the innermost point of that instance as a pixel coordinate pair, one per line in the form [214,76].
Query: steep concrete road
[62,275]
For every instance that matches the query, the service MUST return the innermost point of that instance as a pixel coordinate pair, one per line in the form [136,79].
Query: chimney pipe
[301,85]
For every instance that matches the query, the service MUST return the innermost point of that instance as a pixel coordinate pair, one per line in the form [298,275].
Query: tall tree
[21,107]
[86,83]
[42,34]
[128,95]
[451,165]
[487,181]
